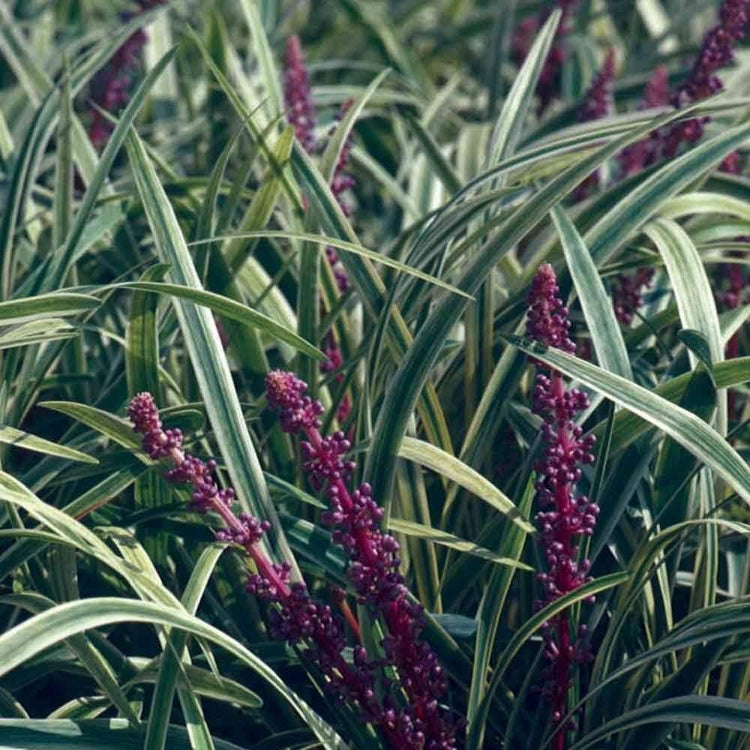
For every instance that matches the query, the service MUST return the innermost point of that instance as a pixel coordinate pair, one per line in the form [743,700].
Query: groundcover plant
[374,374]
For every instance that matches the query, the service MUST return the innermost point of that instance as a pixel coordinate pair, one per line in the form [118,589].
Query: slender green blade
[207,355]
[687,429]
[596,304]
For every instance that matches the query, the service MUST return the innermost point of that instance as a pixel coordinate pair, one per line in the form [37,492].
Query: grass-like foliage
[374,374]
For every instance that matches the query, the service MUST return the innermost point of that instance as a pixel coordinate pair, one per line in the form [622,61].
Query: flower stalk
[597,103]
[302,116]
[563,518]
[294,616]
[373,571]
[110,88]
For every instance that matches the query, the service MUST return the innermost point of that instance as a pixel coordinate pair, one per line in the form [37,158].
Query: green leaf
[343,131]
[142,374]
[263,54]
[64,163]
[20,439]
[457,471]
[142,344]
[61,259]
[692,290]
[512,119]
[596,304]
[207,356]
[491,610]
[613,229]
[349,247]
[37,332]
[687,429]
[687,709]
[411,528]
[91,734]
[23,642]
[525,632]
[169,671]
[698,345]
[414,369]
[629,425]
[114,427]
[227,307]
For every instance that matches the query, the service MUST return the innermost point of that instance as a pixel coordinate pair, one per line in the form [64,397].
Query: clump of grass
[346,249]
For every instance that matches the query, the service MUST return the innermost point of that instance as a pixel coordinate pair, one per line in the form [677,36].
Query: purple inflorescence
[110,87]
[656,94]
[341,182]
[301,114]
[355,518]
[563,518]
[295,616]
[548,318]
[717,51]
[548,86]
[627,293]
[297,95]
[285,392]
[597,103]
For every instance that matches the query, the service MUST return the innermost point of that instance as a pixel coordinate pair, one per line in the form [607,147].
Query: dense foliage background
[162,230]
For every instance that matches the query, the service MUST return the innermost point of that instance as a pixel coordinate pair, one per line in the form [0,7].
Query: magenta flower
[374,562]
[656,94]
[732,163]
[294,616]
[548,86]
[717,51]
[598,102]
[563,517]
[110,87]
[627,293]
[301,114]
[297,94]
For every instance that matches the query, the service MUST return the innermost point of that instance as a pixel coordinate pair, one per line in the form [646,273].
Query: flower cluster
[548,86]
[355,518]
[563,518]
[297,94]
[301,114]
[656,94]
[110,88]
[294,616]
[717,51]
[737,284]
[597,103]
[627,293]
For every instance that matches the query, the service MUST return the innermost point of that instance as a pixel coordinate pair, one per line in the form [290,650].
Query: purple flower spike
[548,86]
[563,518]
[656,94]
[548,318]
[717,51]
[597,103]
[297,94]
[294,616]
[110,88]
[355,518]
[297,412]
[627,293]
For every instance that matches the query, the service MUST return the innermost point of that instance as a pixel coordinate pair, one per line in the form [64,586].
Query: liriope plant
[374,374]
